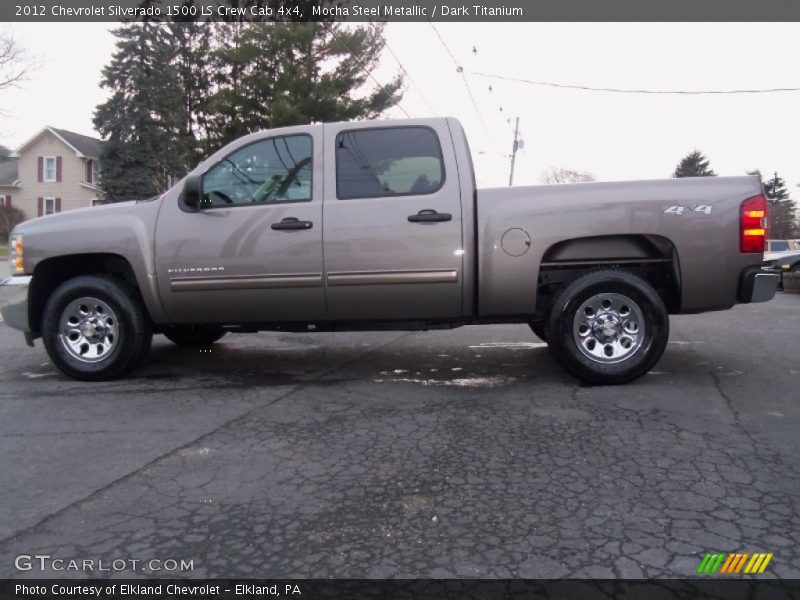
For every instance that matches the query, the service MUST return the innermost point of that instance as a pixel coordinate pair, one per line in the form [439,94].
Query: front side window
[270,171]
[49,168]
[392,161]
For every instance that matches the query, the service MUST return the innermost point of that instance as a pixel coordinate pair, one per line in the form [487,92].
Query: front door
[253,252]
[393,236]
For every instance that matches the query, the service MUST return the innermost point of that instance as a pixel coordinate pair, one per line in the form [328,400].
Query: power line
[364,67]
[632,91]
[460,71]
[411,79]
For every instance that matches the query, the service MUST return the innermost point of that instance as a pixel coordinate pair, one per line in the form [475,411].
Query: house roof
[8,172]
[83,145]
[88,146]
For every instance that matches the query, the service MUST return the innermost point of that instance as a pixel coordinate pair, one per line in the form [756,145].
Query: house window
[5,200]
[95,172]
[49,206]
[50,168]
[96,202]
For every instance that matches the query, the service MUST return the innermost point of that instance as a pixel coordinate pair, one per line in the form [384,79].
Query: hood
[68,218]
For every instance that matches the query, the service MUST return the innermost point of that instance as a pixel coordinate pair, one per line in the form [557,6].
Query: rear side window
[392,161]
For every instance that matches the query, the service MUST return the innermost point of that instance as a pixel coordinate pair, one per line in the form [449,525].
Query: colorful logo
[734,563]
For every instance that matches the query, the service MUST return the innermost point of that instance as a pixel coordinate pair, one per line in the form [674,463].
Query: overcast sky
[615,136]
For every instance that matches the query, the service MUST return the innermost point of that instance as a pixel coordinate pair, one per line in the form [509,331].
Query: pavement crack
[176,451]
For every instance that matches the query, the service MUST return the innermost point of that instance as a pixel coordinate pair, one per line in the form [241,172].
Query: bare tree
[561,175]
[14,62]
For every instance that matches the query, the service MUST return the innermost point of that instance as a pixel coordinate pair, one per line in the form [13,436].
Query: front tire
[608,327]
[95,328]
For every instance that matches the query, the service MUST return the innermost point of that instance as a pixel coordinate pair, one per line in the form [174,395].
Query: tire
[608,327]
[539,329]
[194,335]
[95,328]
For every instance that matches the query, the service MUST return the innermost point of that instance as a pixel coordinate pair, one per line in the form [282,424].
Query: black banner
[463,589]
[399,10]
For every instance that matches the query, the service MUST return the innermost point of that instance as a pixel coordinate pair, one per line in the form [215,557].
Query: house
[54,171]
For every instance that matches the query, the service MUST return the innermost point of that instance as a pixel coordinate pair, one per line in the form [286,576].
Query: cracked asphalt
[462,453]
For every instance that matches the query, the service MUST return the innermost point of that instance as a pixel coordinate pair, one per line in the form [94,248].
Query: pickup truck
[379,225]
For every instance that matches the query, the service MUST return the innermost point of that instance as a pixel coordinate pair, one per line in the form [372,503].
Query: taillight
[753,224]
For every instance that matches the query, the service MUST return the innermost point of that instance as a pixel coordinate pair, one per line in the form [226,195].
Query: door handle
[291,224]
[428,215]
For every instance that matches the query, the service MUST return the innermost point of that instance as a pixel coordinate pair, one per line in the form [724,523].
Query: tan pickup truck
[379,225]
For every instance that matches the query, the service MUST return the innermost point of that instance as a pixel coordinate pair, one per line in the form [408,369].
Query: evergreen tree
[780,208]
[144,119]
[182,90]
[694,164]
[278,74]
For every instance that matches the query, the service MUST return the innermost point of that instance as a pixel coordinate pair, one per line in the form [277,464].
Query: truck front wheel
[94,327]
[608,327]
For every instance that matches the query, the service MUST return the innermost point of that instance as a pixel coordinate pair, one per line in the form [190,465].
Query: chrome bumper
[758,285]
[14,302]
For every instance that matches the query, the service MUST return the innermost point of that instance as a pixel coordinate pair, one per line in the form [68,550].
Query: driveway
[464,453]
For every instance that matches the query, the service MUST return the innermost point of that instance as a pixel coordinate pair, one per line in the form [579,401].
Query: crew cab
[379,225]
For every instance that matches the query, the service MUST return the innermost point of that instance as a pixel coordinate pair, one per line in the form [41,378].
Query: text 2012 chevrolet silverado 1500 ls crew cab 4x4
[352,226]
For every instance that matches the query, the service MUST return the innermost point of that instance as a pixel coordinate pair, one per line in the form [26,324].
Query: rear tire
[95,328]
[608,327]
[193,336]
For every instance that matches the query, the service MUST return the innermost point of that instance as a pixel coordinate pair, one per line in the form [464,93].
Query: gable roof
[9,174]
[83,145]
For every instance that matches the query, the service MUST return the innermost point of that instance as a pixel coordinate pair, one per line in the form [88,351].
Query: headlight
[15,254]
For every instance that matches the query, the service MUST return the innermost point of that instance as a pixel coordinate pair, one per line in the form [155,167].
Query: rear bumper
[758,285]
[14,302]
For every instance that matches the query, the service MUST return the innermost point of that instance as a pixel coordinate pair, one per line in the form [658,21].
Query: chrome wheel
[88,329]
[608,328]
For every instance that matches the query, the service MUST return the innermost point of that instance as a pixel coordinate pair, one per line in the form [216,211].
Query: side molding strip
[245,282]
[393,277]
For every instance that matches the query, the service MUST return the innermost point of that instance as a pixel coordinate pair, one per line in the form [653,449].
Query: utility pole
[514,152]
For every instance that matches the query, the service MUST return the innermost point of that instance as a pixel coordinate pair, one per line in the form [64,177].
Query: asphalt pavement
[464,453]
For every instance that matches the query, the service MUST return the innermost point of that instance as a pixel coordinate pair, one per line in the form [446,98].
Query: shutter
[58,205]
[40,170]
[58,169]
[89,172]
[8,201]
[41,206]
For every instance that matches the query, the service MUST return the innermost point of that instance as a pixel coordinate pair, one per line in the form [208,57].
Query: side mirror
[192,190]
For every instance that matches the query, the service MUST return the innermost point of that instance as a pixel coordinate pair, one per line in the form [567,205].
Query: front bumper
[758,285]
[14,302]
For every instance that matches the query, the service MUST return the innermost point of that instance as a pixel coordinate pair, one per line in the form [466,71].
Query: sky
[614,136]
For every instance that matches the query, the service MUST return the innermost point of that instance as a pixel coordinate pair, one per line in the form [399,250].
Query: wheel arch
[52,272]
[652,257]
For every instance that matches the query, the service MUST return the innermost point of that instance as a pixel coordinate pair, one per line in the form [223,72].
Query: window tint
[396,161]
[273,170]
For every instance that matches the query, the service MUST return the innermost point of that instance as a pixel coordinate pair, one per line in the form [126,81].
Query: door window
[389,161]
[269,171]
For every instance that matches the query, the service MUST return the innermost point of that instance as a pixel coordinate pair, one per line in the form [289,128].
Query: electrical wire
[588,88]
[364,68]
[411,79]
[460,71]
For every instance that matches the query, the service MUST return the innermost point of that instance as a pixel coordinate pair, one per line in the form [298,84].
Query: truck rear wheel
[94,327]
[194,335]
[608,327]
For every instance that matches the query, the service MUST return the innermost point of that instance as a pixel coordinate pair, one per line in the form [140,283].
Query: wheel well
[52,272]
[651,257]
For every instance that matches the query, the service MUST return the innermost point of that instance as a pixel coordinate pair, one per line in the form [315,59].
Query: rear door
[392,240]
